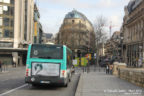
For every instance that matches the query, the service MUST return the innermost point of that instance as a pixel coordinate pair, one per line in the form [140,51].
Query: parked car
[103,64]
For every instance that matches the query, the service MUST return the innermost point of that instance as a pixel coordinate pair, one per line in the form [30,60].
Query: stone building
[101,49]
[38,31]
[77,32]
[133,33]
[48,38]
[16,30]
[114,46]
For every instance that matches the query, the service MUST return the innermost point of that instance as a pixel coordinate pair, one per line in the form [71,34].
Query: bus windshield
[47,51]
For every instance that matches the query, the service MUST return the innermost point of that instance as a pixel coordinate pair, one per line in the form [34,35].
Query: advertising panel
[45,69]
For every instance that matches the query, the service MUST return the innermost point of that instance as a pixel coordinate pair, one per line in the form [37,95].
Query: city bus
[48,64]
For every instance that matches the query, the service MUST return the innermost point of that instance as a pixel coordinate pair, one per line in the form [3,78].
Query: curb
[79,87]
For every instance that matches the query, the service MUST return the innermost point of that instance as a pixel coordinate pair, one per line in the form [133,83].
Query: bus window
[47,52]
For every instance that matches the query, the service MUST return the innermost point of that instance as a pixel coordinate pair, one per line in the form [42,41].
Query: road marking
[13,90]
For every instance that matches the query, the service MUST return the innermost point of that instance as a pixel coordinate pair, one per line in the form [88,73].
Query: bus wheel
[34,85]
[66,85]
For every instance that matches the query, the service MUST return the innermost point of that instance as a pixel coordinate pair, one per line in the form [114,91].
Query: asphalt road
[12,84]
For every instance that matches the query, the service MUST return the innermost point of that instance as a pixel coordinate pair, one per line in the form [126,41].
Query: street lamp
[122,48]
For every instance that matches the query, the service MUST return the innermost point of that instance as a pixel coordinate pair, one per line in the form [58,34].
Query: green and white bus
[48,64]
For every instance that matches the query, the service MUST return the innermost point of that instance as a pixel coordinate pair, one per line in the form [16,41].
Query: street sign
[95,55]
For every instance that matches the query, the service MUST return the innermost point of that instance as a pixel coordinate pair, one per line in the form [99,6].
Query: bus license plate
[46,82]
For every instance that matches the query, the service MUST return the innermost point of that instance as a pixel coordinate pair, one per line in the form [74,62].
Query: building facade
[133,33]
[48,38]
[114,46]
[38,31]
[101,49]
[77,33]
[16,30]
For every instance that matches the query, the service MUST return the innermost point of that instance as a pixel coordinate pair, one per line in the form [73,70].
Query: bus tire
[34,85]
[66,85]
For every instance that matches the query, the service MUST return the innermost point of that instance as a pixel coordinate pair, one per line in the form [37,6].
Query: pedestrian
[107,69]
[140,62]
[111,68]
[13,64]
[0,66]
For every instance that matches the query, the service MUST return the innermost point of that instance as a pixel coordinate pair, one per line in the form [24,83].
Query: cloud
[116,20]
[105,3]
[81,3]
[53,11]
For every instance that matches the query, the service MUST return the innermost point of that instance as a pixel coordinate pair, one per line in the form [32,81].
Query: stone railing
[133,75]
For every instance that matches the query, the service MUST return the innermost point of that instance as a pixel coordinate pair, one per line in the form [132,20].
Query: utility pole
[79,42]
[72,39]
[110,28]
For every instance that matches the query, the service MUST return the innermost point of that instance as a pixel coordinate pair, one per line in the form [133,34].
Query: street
[92,48]
[12,84]
[94,82]
[99,84]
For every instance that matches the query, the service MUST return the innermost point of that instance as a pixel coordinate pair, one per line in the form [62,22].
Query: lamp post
[122,48]
[140,56]
[72,39]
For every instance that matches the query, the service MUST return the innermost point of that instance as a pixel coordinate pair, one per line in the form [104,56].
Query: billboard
[45,69]
[35,29]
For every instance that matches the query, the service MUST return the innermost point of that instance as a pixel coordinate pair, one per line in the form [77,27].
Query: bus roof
[49,44]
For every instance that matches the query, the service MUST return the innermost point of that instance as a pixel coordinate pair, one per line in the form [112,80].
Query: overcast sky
[53,11]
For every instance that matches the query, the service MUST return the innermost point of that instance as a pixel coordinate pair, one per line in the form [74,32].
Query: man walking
[107,69]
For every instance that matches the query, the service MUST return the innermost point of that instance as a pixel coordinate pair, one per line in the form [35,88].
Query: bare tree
[101,36]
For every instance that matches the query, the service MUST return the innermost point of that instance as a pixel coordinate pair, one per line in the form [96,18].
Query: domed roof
[75,14]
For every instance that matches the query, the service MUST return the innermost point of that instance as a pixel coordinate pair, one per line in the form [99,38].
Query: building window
[6,10]
[6,21]
[73,21]
[12,11]
[2,44]
[1,21]
[25,29]
[6,33]
[11,34]
[6,1]
[12,1]
[12,23]
[1,9]
[0,32]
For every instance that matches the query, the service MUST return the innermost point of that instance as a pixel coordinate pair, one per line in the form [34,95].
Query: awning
[13,49]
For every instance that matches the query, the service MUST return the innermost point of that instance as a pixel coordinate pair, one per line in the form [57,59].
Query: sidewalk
[6,69]
[100,84]
[12,73]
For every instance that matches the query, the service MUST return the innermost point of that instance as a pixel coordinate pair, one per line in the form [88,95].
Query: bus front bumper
[44,80]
